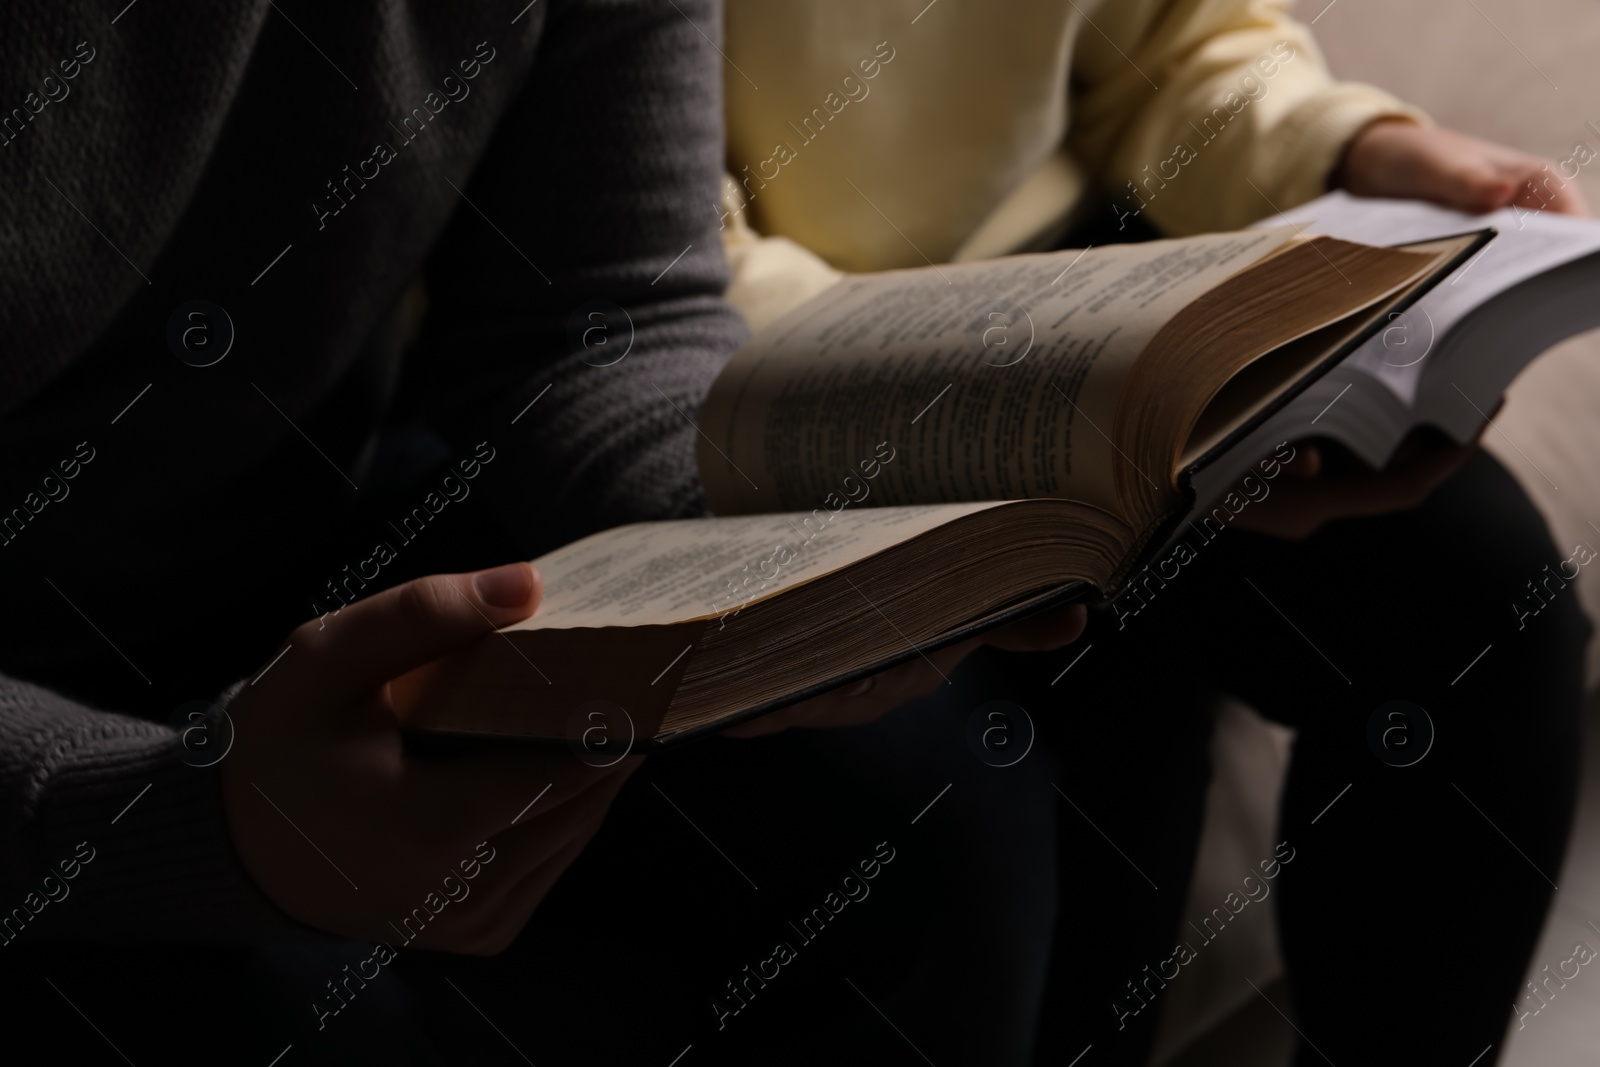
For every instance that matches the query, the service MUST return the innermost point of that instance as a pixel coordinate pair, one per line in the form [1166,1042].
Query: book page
[1529,243]
[982,381]
[657,573]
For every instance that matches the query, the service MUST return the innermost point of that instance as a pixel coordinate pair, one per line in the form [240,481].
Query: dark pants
[900,873]
[1448,859]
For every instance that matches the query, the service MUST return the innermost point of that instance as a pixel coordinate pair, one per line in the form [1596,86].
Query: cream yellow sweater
[870,134]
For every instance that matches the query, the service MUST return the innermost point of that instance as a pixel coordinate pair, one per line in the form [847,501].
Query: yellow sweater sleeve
[1218,112]
[767,276]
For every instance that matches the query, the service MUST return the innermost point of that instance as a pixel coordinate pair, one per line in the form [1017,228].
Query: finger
[386,635]
[1472,175]
[868,698]
[502,923]
[866,701]
[1540,189]
[1564,199]
[522,849]
[526,862]
[1307,462]
[474,797]
[878,694]
[1477,186]
[1044,632]
[1417,479]
[1571,201]
[1299,510]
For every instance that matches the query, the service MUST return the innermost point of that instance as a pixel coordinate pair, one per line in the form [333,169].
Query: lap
[906,878]
[776,900]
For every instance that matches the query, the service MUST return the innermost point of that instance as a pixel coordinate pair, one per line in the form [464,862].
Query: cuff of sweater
[1314,137]
[145,833]
[771,276]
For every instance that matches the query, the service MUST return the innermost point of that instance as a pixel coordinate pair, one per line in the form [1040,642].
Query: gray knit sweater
[162,524]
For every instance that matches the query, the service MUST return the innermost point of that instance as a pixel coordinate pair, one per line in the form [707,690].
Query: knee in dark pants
[1396,857]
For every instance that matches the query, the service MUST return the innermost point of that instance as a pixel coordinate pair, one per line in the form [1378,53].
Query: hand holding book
[1400,159]
[878,694]
[1464,340]
[1326,482]
[401,835]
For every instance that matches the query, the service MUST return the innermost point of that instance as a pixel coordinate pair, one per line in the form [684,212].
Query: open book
[1446,361]
[915,456]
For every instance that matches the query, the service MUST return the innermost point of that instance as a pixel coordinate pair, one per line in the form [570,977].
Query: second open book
[914,456]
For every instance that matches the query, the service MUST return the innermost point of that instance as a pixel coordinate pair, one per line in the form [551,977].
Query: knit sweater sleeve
[601,302]
[109,835]
[598,186]
[1210,114]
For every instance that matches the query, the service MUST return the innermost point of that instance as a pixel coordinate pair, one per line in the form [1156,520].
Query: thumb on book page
[384,636]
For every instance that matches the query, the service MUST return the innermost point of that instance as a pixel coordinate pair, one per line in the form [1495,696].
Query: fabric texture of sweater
[180,477]
[866,137]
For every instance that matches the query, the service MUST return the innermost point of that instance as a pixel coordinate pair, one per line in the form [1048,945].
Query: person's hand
[1396,158]
[877,695]
[346,831]
[1315,491]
